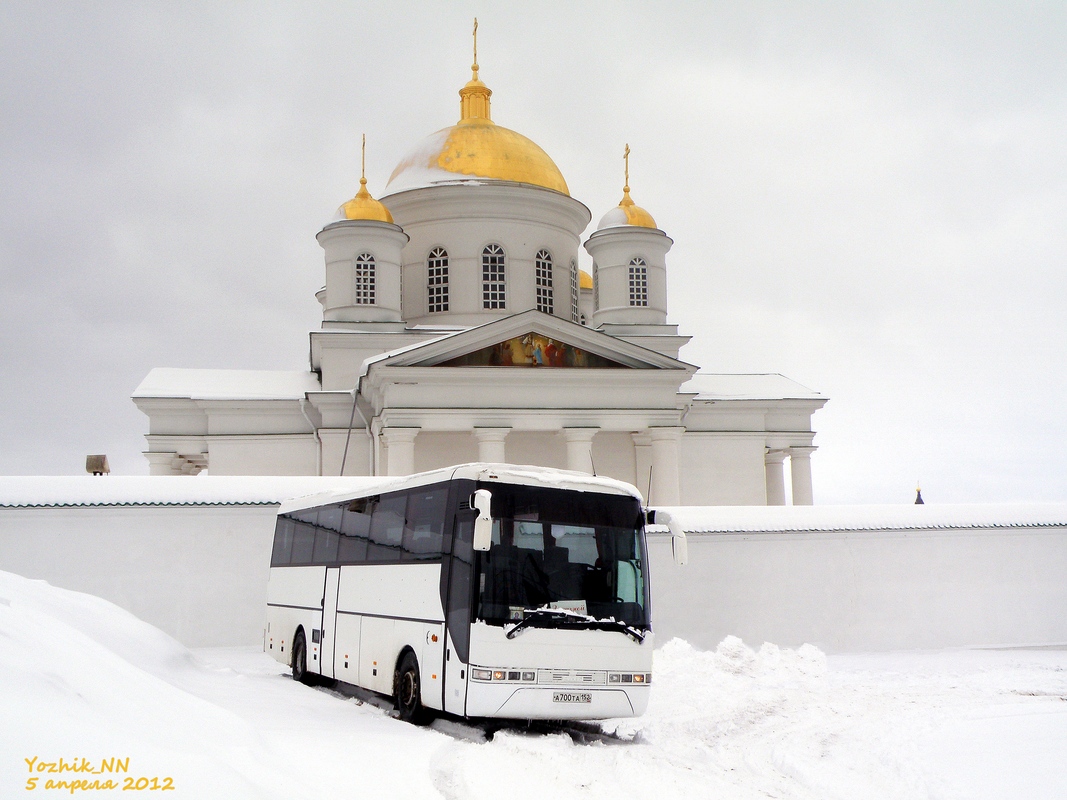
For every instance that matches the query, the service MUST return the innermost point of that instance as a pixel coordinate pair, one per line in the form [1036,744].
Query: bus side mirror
[483,523]
[679,544]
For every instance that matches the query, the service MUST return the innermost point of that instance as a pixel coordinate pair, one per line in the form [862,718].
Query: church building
[457,327]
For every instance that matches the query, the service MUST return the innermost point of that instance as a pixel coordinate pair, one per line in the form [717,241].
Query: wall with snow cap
[864,578]
[187,554]
[190,556]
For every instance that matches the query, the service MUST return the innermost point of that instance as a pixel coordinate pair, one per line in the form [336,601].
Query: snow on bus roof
[161,490]
[504,473]
[781,519]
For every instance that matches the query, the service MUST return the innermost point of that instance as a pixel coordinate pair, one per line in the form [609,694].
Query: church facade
[457,326]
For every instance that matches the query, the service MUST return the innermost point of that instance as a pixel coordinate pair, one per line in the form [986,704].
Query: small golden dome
[363,206]
[627,212]
[476,148]
[585,280]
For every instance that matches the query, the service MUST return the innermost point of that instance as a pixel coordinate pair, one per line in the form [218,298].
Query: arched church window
[638,282]
[437,280]
[574,291]
[363,294]
[493,282]
[543,279]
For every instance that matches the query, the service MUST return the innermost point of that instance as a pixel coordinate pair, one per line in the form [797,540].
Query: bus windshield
[576,551]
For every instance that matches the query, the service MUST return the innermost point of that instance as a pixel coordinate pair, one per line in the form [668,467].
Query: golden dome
[627,212]
[585,280]
[475,149]
[363,206]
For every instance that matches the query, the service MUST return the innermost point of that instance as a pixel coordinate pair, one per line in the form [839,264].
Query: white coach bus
[479,590]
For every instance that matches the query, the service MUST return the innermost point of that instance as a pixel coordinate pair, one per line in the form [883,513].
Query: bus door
[460,565]
[328,626]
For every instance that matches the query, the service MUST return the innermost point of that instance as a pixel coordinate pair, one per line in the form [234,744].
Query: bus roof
[491,473]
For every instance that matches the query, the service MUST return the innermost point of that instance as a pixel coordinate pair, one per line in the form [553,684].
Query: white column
[580,448]
[775,476]
[665,475]
[399,450]
[800,471]
[642,462]
[491,444]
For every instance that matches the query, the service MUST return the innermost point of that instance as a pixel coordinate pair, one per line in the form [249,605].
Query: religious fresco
[533,350]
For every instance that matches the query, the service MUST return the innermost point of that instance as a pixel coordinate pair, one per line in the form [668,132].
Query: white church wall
[544,449]
[295,454]
[722,469]
[851,591]
[334,441]
[613,457]
[434,450]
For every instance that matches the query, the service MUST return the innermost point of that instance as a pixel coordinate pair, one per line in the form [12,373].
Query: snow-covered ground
[83,679]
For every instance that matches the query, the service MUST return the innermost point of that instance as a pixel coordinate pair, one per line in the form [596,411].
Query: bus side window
[303,537]
[283,542]
[424,525]
[327,537]
[355,531]
[387,528]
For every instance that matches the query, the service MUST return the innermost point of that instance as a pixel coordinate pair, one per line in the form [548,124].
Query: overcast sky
[869,199]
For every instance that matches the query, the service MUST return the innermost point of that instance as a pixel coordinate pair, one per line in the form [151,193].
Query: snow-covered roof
[769,386]
[157,490]
[770,519]
[227,384]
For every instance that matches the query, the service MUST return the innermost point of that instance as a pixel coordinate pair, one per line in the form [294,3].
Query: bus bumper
[555,702]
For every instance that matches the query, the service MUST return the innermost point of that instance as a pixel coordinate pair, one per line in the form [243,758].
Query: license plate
[572,697]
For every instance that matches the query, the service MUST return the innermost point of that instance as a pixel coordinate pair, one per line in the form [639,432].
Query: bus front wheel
[300,660]
[409,691]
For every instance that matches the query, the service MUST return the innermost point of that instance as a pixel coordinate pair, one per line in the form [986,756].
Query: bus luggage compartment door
[328,626]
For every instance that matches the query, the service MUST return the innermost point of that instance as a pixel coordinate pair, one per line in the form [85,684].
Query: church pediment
[529,340]
[533,350]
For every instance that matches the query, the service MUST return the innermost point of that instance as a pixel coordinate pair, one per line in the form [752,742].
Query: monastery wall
[857,591]
[199,572]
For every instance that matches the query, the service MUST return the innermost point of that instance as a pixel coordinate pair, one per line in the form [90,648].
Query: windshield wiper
[562,618]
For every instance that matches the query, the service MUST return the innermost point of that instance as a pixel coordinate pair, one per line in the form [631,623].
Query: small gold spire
[363,171]
[635,215]
[626,199]
[474,97]
[474,66]
[363,206]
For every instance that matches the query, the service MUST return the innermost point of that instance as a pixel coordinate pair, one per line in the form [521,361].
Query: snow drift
[83,679]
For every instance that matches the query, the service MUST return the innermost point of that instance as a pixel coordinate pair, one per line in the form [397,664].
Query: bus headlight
[629,677]
[503,675]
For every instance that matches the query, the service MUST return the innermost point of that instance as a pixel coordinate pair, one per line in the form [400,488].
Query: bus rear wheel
[300,660]
[409,691]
